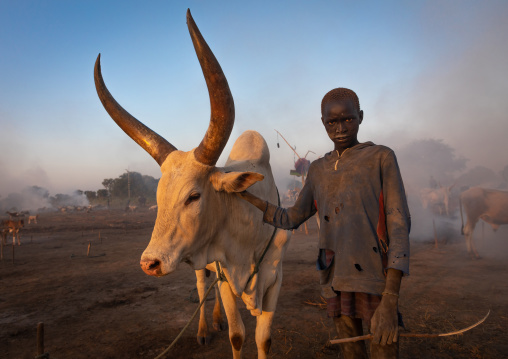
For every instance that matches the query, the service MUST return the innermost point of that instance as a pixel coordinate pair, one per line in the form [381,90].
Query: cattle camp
[253,180]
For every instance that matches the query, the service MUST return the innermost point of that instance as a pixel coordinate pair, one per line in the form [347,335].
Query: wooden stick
[435,232]
[40,338]
[88,251]
[411,335]
[288,144]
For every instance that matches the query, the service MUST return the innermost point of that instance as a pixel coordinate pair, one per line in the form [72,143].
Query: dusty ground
[104,306]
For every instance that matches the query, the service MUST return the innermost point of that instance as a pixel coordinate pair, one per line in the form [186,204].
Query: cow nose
[151,267]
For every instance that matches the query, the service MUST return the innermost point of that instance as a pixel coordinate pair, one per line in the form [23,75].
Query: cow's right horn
[222,106]
[153,143]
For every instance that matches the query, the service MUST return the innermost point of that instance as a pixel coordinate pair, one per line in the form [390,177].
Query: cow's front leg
[264,321]
[203,336]
[235,323]
[264,333]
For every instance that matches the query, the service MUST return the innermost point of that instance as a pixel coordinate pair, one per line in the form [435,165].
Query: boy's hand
[384,323]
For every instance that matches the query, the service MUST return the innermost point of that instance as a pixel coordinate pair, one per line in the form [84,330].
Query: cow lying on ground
[489,205]
[200,219]
[16,215]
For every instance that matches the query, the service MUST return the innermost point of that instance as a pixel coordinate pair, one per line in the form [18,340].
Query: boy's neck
[340,150]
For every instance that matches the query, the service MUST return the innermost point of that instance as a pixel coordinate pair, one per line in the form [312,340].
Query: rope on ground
[161,355]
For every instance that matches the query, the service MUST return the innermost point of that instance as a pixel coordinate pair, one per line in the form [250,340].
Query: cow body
[438,199]
[14,227]
[226,229]
[480,203]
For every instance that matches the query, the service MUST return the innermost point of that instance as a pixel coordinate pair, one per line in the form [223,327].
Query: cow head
[189,209]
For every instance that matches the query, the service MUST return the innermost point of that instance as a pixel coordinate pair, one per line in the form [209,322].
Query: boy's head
[341,116]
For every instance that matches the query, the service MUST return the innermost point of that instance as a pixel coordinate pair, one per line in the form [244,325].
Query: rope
[161,355]
[256,267]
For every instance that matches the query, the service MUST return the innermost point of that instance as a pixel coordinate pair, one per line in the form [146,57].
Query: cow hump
[250,146]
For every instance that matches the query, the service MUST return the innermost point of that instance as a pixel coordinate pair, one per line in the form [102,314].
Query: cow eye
[193,197]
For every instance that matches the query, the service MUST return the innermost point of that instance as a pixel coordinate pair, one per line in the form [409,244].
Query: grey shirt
[346,193]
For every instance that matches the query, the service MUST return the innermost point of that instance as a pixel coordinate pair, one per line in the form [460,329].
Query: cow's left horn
[222,106]
[153,143]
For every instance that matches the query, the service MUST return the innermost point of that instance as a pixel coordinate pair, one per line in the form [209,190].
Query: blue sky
[422,69]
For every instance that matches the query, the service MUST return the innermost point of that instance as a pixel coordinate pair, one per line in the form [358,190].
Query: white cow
[200,219]
[490,205]
[437,198]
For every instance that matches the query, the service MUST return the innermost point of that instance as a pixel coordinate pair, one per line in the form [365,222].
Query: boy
[359,196]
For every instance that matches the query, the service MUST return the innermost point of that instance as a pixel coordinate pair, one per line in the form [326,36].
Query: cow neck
[239,271]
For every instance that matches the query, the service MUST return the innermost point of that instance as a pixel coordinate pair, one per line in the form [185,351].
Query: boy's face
[342,120]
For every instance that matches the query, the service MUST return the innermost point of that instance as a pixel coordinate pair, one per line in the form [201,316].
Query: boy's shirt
[347,192]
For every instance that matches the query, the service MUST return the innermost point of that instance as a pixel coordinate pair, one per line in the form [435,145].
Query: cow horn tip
[98,61]
[189,16]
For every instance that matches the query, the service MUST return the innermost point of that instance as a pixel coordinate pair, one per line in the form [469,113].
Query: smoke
[37,199]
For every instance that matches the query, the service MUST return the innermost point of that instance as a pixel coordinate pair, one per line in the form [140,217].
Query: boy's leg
[388,351]
[350,327]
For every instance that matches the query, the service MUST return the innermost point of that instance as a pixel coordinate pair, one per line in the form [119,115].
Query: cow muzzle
[152,267]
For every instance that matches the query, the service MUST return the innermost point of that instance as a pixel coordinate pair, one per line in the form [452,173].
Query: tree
[91,195]
[140,185]
[102,193]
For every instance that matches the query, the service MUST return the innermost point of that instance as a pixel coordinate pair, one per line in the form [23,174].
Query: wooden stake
[435,232]
[40,338]
[88,251]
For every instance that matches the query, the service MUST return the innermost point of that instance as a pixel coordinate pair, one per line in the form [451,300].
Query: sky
[422,69]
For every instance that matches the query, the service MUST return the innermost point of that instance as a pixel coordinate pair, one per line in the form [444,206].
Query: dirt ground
[104,306]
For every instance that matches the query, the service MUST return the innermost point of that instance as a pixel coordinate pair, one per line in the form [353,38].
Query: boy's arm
[384,323]
[254,200]
[286,218]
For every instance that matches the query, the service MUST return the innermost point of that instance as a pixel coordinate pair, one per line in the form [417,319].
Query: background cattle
[481,203]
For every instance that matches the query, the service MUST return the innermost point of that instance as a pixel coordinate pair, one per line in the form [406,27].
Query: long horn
[222,106]
[153,143]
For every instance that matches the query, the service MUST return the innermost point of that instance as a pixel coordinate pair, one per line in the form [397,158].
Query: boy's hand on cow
[384,323]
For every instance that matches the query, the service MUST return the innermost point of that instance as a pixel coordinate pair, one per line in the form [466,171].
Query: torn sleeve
[398,218]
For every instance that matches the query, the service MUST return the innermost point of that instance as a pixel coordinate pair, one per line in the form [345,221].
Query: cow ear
[234,181]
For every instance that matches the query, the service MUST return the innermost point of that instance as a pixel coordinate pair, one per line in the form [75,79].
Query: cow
[131,208]
[13,227]
[15,215]
[489,205]
[437,198]
[200,219]
[33,219]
